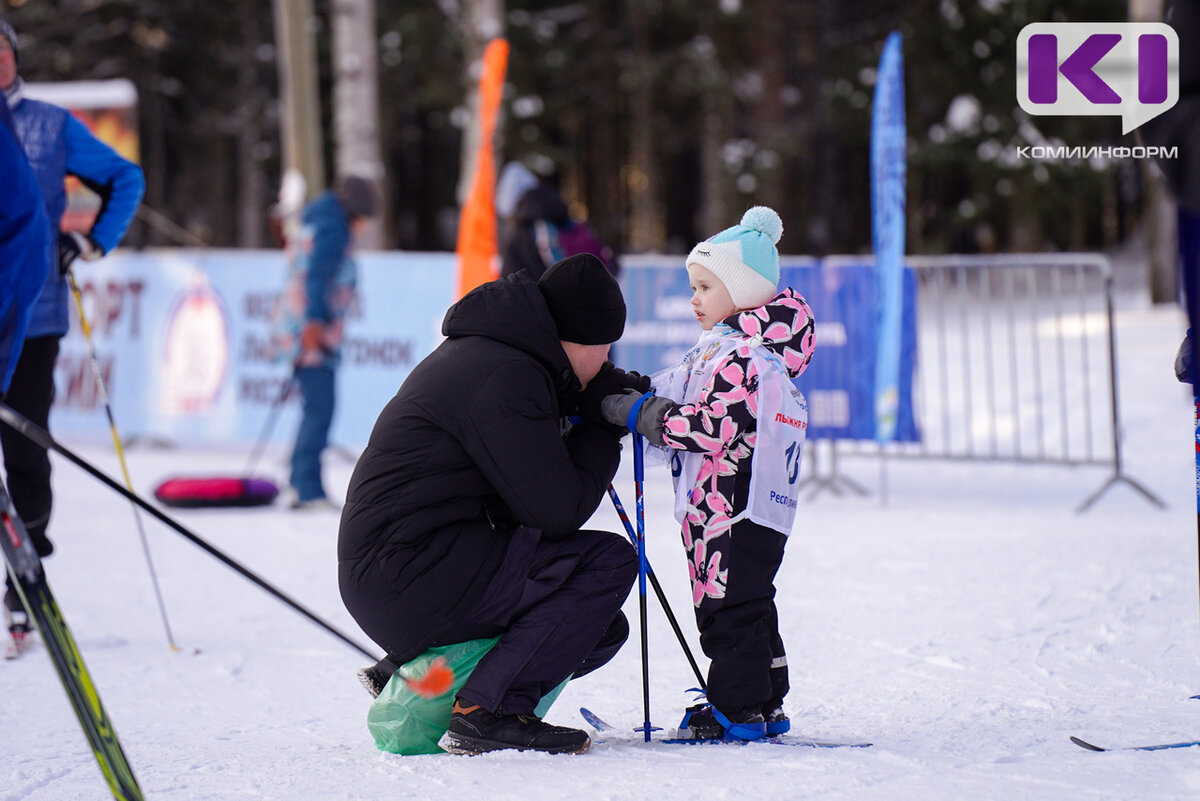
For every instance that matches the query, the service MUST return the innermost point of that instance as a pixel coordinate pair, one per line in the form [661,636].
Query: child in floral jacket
[732,426]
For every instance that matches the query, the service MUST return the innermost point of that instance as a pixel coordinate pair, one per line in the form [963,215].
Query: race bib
[781,426]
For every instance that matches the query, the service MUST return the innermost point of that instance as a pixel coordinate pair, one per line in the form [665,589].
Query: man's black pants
[26,463]
[556,606]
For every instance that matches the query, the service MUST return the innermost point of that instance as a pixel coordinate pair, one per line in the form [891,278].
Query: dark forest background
[662,119]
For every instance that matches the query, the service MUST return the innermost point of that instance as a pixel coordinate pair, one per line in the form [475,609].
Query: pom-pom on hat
[584,300]
[744,257]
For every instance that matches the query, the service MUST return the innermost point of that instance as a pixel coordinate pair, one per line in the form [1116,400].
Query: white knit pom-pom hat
[744,257]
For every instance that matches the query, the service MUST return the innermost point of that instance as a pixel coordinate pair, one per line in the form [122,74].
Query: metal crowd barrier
[1015,363]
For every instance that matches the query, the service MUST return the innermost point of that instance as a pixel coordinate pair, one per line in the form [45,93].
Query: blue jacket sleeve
[118,182]
[331,237]
[24,241]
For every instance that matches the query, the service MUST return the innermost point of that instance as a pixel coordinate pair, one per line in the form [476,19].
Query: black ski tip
[1086,744]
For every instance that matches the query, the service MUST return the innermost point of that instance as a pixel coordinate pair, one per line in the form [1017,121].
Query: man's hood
[513,311]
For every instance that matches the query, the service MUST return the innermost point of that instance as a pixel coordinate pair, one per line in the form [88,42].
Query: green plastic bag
[403,722]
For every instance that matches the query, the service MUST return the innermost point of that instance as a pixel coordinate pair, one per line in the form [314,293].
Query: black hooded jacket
[469,448]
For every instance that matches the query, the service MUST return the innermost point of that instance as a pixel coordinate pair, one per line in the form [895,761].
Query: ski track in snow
[967,628]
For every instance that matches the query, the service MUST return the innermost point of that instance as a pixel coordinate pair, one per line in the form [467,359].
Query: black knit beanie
[358,196]
[584,300]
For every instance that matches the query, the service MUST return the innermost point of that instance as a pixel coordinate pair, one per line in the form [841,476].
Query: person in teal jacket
[56,145]
[309,331]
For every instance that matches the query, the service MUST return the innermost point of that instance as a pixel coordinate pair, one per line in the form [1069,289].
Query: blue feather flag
[888,142]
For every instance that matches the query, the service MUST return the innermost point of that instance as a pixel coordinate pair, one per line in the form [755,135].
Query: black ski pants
[555,604]
[26,463]
[740,631]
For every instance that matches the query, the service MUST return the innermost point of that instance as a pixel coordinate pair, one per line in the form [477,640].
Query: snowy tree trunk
[1162,250]
[1162,236]
[252,188]
[483,20]
[768,113]
[717,111]
[646,228]
[356,103]
[301,128]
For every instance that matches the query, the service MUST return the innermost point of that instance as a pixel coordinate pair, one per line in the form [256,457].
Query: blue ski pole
[658,590]
[639,472]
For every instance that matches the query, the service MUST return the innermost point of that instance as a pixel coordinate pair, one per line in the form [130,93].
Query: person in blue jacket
[24,236]
[56,145]
[309,330]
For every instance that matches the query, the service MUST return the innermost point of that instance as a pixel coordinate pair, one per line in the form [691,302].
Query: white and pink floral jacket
[722,426]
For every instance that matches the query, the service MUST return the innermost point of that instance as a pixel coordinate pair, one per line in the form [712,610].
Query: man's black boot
[474,730]
[373,680]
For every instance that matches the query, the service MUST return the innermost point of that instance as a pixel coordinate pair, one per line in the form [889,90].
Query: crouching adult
[463,515]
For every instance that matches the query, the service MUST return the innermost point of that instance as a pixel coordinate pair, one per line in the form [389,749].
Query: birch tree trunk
[1159,215]
[300,126]
[356,106]
[483,20]
[646,224]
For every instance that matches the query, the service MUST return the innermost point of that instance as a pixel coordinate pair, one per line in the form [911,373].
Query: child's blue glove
[642,414]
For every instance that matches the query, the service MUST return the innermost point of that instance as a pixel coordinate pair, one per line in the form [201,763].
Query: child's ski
[25,567]
[1161,747]
[600,725]
[780,740]
[593,720]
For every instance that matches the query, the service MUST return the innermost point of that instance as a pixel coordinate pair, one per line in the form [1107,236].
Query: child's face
[710,298]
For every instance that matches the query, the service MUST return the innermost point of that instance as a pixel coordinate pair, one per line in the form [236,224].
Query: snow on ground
[967,628]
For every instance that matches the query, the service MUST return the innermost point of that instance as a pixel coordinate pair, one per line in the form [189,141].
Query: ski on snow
[1160,747]
[25,567]
[600,725]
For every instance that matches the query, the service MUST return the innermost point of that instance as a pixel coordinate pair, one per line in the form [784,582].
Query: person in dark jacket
[463,514]
[57,145]
[531,243]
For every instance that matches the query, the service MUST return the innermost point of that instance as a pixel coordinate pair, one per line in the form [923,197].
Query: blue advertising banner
[839,382]
[183,342]
[887,228]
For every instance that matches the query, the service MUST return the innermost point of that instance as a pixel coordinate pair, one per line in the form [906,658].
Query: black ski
[25,567]
[1160,747]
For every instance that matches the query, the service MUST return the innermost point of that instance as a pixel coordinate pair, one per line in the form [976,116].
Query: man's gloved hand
[611,380]
[649,422]
[73,245]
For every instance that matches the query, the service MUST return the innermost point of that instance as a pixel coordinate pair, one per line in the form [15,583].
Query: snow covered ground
[967,628]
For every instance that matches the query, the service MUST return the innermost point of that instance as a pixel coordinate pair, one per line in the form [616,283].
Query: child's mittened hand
[650,417]
[616,408]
